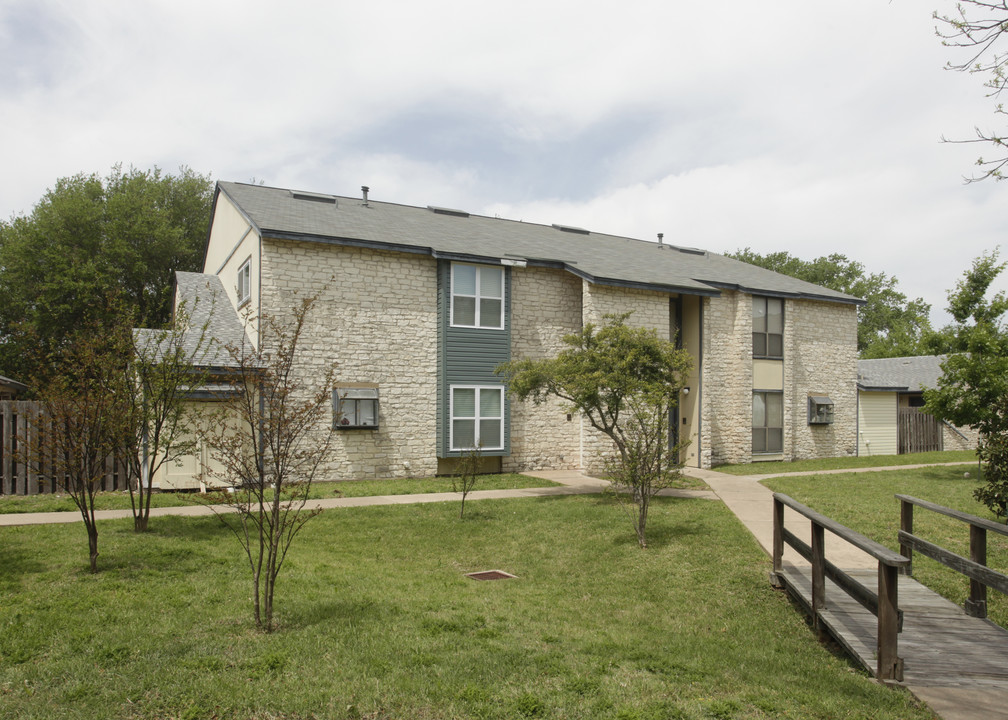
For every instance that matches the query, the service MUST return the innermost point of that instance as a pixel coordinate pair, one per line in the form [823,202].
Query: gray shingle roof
[908,374]
[207,304]
[12,385]
[600,258]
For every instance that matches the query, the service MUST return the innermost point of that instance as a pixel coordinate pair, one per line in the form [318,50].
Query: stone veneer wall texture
[376,317]
[545,306]
[650,309]
[820,358]
[726,419]
[952,440]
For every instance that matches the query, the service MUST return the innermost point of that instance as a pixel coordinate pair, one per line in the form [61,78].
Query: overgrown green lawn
[61,502]
[839,463]
[378,621]
[865,503]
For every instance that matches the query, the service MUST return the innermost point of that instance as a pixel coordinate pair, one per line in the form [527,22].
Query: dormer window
[477,296]
[245,282]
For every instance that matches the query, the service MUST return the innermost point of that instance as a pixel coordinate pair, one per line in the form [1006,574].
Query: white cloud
[790,126]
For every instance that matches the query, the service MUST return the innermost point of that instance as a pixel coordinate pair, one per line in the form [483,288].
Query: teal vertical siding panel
[469,356]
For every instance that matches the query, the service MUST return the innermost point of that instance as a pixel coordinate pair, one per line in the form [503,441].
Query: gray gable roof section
[902,374]
[453,234]
[211,316]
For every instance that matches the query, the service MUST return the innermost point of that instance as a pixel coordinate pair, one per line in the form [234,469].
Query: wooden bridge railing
[884,603]
[975,567]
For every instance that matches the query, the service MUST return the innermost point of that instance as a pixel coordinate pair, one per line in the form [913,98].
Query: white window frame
[244,287]
[481,442]
[478,320]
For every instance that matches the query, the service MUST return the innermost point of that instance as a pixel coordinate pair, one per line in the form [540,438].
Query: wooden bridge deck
[941,646]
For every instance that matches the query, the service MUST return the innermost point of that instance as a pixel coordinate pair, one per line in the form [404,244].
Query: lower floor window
[477,417]
[768,422]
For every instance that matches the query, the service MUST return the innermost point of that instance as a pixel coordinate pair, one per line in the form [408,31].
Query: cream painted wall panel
[689,405]
[877,423]
[232,242]
[768,374]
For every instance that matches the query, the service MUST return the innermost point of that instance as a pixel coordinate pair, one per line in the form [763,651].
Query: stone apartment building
[418,305]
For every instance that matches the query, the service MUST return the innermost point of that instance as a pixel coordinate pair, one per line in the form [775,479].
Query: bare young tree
[270,439]
[167,365]
[81,423]
[979,27]
[467,474]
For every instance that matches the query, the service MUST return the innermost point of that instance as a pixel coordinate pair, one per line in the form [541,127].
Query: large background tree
[978,28]
[90,239]
[889,325]
[973,388]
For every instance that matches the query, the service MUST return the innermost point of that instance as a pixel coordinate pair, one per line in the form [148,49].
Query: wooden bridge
[904,633]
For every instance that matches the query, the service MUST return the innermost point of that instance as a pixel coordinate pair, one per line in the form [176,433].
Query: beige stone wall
[545,306]
[952,440]
[649,309]
[376,318]
[726,423]
[820,358]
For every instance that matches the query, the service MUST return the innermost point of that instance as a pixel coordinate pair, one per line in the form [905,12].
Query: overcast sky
[785,125]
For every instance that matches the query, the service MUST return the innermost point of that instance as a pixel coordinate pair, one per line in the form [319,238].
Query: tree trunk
[92,531]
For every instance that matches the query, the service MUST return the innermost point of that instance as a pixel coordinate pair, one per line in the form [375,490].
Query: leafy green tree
[91,238]
[889,324]
[973,388]
[626,381]
[979,27]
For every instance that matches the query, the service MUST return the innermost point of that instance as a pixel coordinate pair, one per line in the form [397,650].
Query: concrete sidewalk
[569,482]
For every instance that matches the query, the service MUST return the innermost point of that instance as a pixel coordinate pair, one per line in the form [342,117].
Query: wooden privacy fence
[19,441]
[974,567]
[918,431]
[883,603]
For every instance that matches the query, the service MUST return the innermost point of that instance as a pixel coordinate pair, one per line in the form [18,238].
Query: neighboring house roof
[211,317]
[902,374]
[457,235]
[11,386]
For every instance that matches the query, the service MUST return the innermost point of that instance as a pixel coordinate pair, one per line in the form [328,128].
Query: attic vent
[571,229]
[447,211]
[691,251]
[313,197]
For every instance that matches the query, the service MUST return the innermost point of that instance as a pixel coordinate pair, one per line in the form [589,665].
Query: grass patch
[843,463]
[865,503]
[120,500]
[378,621]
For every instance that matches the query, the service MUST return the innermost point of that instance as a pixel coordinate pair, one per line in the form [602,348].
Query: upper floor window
[477,296]
[245,281]
[767,327]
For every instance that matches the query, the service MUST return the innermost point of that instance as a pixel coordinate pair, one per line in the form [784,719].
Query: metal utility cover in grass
[490,575]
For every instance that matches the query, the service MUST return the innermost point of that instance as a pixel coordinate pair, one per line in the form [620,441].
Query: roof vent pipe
[364,189]
[660,236]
